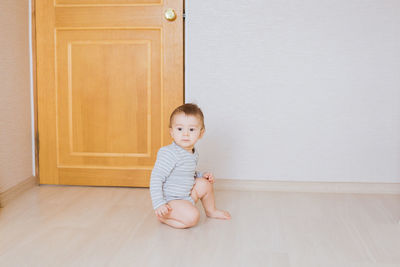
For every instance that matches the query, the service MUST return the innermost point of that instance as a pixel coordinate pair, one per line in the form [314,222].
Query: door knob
[170,14]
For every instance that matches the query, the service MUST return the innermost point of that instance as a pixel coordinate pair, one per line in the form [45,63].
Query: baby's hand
[209,176]
[163,210]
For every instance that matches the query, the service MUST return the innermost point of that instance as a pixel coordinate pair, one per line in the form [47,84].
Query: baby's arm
[163,167]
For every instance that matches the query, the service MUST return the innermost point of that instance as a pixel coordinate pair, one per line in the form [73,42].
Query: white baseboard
[310,187]
[255,185]
[16,190]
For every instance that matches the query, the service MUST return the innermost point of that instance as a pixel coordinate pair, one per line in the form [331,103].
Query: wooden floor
[94,226]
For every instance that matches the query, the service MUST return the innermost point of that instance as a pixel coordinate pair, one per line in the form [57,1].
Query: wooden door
[109,73]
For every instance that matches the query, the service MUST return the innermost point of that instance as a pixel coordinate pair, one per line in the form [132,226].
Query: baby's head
[187,125]
[188,110]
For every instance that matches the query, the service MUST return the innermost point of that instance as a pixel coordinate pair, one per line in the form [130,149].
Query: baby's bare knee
[203,186]
[192,218]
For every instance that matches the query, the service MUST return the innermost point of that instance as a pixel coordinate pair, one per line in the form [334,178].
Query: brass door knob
[170,14]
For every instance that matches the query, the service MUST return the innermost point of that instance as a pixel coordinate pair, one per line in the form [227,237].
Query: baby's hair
[188,109]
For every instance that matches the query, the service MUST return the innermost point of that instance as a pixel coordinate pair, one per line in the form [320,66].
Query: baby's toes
[219,214]
[227,215]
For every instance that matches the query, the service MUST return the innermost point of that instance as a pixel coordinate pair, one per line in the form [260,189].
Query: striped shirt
[173,175]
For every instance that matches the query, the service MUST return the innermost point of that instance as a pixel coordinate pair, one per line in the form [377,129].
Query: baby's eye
[179,129]
[192,129]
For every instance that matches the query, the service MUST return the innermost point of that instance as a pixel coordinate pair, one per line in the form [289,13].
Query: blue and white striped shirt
[173,175]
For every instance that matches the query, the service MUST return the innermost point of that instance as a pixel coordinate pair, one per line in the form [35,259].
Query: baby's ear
[202,131]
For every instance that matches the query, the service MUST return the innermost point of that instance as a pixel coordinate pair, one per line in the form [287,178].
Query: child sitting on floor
[175,185]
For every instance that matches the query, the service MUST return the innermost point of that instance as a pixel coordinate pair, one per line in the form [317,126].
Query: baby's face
[186,130]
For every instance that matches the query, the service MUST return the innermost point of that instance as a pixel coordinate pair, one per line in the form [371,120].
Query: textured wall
[15,117]
[297,90]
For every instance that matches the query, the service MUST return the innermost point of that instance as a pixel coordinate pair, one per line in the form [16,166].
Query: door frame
[34,87]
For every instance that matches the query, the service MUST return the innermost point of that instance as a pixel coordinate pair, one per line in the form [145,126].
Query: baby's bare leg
[182,215]
[204,190]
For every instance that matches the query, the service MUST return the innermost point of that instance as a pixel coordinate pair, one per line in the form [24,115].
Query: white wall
[297,90]
[15,98]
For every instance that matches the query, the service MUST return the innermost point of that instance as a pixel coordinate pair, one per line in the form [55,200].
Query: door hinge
[184,15]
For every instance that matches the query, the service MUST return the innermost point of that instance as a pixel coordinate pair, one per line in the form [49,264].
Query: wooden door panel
[109,16]
[108,75]
[106,2]
[104,177]
[109,120]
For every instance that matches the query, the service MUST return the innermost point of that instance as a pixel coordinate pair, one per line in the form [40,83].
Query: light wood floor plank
[97,226]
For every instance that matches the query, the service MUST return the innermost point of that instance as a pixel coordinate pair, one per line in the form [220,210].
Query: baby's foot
[219,214]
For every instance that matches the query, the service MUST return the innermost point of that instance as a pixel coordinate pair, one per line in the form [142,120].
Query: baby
[175,185]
